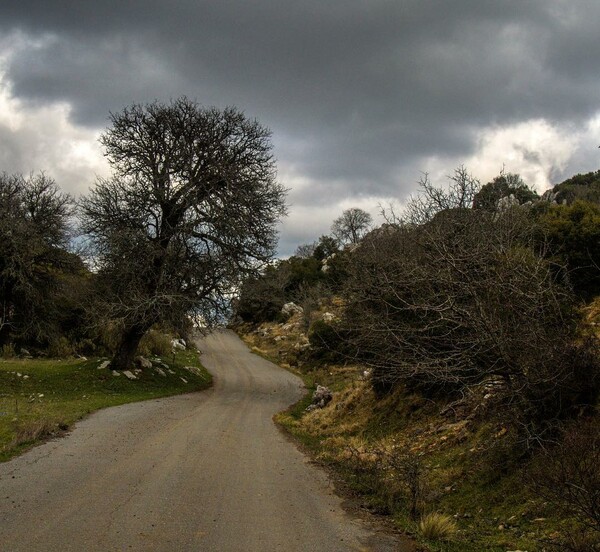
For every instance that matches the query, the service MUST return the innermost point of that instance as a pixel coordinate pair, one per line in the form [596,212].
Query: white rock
[328,317]
[129,374]
[104,364]
[178,344]
[291,308]
[183,379]
[160,371]
[115,373]
[143,362]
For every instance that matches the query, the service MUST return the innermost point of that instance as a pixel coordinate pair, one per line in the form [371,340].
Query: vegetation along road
[205,472]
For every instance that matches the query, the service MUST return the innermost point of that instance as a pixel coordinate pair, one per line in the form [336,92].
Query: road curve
[201,472]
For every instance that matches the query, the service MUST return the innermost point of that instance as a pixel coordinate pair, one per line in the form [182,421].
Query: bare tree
[351,226]
[190,211]
[459,193]
[305,250]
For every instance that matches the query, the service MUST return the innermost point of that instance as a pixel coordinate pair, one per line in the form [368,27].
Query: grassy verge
[42,398]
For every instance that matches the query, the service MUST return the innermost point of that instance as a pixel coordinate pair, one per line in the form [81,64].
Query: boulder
[507,202]
[143,362]
[290,309]
[178,344]
[321,397]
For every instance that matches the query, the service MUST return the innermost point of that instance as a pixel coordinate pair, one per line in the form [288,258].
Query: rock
[143,362]
[115,373]
[325,266]
[328,317]
[321,397]
[183,379]
[290,309]
[25,352]
[178,344]
[194,370]
[160,371]
[507,202]
[104,364]
[129,375]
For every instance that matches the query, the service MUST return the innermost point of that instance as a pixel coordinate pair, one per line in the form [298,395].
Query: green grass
[50,395]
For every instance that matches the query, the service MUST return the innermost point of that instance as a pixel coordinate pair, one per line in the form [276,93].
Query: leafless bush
[463,296]
[398,472]
[568,475]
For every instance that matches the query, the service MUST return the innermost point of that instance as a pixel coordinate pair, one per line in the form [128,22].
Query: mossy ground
[41,398]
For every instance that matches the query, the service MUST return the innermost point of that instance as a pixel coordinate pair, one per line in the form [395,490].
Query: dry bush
[462,298]
[398,473]
[8,351]
[437,526]
[32,430]
[568,475]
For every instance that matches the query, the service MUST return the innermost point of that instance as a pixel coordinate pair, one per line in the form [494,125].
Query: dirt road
[204,472]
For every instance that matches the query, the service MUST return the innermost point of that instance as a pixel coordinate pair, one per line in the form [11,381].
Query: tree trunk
[125,353]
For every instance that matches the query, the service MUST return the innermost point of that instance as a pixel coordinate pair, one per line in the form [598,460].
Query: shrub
[568,475]
[60,347]
[572,233]
[8,351]
[324,339]
[155,343]
[437,526]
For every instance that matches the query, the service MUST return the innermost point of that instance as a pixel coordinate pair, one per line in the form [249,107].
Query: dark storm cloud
[356,92]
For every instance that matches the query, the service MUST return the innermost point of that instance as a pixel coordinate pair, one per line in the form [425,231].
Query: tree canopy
[351,226]
[190,210]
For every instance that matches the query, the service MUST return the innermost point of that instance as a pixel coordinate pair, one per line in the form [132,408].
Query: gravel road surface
[201,472]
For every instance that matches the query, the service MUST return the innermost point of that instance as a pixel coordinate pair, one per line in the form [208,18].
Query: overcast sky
[362,96]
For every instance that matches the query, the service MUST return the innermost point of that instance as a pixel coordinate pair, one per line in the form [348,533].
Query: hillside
[460,348]
[407,455]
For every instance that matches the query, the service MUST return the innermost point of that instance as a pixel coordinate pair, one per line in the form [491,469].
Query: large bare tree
[190,210]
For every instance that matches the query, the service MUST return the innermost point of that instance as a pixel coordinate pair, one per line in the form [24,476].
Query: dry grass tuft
[33,430]
[437,526]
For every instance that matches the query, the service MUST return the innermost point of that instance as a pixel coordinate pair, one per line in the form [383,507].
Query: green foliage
[302,273]
[572,233]
[585,187]
[37,274]
[261,297]
[155,343]
[60,347]
[326,246]
[503,185]
[324,339]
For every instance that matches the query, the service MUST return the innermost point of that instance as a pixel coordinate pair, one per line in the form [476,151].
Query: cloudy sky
[362,96]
